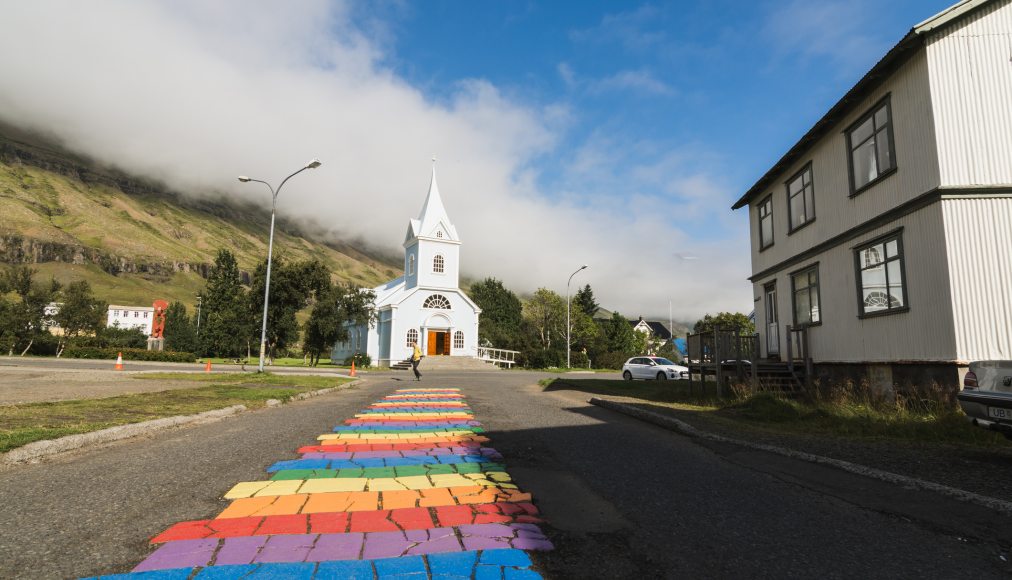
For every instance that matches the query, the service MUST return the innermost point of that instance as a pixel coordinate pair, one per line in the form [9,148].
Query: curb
[680,426]
[37,450]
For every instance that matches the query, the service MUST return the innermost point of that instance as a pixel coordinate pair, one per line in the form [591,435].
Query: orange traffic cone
[119,361]
[352,373]
[207,367]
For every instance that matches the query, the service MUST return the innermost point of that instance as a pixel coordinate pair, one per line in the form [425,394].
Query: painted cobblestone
[484,565]
[407,488]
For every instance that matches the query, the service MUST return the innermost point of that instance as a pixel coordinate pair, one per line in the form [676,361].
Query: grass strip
[22,424]
[849,417]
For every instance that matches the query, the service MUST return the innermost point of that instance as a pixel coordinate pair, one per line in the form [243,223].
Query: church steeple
[431,246]
[433,222]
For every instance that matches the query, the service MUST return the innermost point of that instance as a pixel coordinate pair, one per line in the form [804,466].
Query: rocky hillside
[134,241]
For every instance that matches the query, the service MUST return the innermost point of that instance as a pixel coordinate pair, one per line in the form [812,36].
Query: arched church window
[412,337]
[411,265]
[439,234]
[438,264]
[458,340]
[437,302]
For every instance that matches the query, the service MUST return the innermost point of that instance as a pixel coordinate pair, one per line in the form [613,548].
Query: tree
[226,329]
[335,308]
[501,313]
[81,313]
[622,338]
[725,320]
[180,331]
[584,299]
[294,286]
[545,316]
[23,308]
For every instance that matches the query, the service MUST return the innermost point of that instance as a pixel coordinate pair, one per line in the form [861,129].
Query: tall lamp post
[270,248]
[569,327]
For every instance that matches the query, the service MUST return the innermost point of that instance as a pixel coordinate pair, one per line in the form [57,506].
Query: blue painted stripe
[502,564]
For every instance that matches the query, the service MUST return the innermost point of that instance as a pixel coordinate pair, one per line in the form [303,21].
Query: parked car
[986,397]
[653,367]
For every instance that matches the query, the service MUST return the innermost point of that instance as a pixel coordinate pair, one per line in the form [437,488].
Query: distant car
[653,367]
[986,397]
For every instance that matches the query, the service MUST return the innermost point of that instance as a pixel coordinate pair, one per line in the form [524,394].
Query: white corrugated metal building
[887,229]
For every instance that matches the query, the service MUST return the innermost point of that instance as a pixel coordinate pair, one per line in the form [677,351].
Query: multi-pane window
[805,290]
[766,223]
[411,265]
[436,301]
[870,142]
[438,264]
[412,337]
[439,234]
[458,340]
[801,198]
[880,276]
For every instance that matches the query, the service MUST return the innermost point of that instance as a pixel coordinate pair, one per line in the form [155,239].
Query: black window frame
[859,268]
[759,207]
[787,186]
[794,295]
[886,102]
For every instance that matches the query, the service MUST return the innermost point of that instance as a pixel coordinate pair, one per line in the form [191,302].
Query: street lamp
[270,248]
[569,327]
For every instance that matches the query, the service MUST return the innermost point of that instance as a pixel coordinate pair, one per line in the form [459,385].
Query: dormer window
[411,265]
[438,264]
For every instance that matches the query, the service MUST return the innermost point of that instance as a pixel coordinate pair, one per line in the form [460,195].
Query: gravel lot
[20,385]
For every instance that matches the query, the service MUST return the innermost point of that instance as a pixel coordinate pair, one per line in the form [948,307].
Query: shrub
[579,360]
[541,359]
[610,360]
[361,360]
[128,354]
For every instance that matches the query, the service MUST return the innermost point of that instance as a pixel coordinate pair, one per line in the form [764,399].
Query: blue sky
[615,134]
[727,83]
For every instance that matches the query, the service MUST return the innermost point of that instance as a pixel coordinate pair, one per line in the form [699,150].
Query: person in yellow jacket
[416,357]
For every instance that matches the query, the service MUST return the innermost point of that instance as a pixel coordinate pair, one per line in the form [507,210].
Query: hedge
[128,354]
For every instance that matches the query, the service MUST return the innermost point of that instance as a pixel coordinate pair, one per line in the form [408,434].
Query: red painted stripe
[385,447]
[344,522]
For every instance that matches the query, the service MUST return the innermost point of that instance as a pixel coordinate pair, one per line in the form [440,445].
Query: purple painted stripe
[354,546]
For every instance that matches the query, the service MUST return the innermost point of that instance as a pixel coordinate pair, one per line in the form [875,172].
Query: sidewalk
[982,471]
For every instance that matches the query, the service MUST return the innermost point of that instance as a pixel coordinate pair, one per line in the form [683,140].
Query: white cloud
[631,29]
[196,93]
[636,81]
[832,29]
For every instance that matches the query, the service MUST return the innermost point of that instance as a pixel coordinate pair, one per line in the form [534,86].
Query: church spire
[433,222]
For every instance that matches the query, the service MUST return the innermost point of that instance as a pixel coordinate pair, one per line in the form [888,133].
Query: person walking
[416,357]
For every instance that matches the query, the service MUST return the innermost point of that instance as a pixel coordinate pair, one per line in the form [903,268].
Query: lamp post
[270,248]
[569,328]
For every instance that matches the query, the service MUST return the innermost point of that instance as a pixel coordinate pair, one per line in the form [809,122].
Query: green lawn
[21,424]
[278,362]
[843,417]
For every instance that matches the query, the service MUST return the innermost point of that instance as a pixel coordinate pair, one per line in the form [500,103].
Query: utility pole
[200,301]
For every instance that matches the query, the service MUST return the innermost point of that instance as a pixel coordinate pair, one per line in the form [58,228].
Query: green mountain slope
[136,242]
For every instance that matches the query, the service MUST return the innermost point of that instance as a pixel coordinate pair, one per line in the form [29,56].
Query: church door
[439,343]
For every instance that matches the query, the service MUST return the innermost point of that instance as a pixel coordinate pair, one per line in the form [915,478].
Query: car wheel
[627,376]
[661,376]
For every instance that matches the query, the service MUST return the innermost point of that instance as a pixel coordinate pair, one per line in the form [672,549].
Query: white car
[653,367]
[986,397]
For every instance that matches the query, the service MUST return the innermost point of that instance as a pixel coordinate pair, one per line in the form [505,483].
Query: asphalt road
[623,499]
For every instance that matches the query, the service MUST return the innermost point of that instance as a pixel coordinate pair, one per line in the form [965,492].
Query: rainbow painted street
[408,488]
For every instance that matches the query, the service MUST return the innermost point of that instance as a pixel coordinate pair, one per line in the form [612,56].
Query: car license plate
[999,413]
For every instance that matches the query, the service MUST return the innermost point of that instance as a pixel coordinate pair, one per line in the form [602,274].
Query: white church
[426,304]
